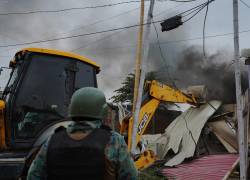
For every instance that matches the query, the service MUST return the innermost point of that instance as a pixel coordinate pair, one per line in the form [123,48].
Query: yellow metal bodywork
[168,94]
[146,159]
[146,113]
[62,53]
[6,131]
[158,93]
[2,126]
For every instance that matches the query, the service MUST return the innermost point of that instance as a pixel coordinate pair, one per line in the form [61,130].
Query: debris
[225,134]
[182,135]
[182,107]
[200,92]
[149,141]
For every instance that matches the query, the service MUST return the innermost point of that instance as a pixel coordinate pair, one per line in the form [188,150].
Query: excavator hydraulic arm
[158,93]
[166,93]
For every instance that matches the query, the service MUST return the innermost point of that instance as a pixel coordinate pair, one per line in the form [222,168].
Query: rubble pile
[198,132]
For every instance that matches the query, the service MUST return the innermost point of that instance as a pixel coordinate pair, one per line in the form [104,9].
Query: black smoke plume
[216,72]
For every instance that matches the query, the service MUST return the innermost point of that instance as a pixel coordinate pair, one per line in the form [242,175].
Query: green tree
[126,92]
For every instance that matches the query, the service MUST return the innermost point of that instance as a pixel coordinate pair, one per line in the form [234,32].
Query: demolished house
[201,140]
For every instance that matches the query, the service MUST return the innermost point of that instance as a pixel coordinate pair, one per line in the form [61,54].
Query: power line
[112,18]
[162,56]
[99,21]
[243,2]
[86,34]
[66,9]
[103,38]
[183,1]
[98,40]
[204,28]
[211,36]
[102,20]
[199,9]
[176,21]
[194,8]
[74,36]
[108,36]
[177,41]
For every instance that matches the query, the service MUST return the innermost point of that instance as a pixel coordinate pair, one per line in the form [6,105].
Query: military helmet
[88,102]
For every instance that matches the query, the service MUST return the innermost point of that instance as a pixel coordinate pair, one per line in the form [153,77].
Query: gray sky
[115,51]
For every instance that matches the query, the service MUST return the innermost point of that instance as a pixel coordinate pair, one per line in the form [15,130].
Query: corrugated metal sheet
[183,133]
[209,167]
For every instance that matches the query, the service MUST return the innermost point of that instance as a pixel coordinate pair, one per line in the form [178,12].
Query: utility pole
[144,57]
[239,104]
[138,55]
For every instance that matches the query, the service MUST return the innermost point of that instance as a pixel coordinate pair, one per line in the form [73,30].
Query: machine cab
[39,89]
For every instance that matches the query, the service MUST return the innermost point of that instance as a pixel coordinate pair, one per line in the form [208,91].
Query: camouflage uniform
[115,152]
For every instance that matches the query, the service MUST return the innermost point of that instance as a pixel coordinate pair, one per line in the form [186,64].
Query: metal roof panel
[209,167]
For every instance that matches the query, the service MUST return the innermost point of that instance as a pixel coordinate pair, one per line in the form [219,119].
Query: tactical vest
[77,159]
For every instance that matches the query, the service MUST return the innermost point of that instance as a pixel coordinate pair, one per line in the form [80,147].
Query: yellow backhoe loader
[35,101]
[157,93]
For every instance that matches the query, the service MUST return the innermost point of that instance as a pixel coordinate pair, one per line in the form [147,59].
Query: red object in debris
[211,167]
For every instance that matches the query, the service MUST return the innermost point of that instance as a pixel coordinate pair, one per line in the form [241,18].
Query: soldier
[84,150]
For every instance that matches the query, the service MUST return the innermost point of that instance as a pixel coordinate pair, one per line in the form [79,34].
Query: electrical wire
[167,42]
[192,10]
[243,2]
[211,36]
[81,27]
[163,58]
[109,18]
[67,9]
[97,22]
[98,40]
[108,36]
[183,1]
[115,29]
[196,9]
[75,36]
[199,10]
[204,27]
[177,41]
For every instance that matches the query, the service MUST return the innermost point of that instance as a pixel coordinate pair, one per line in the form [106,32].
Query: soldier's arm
[117,152]
[126,166]
[37,170]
